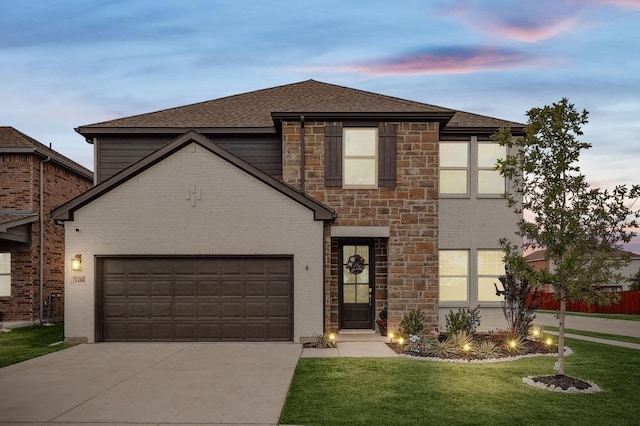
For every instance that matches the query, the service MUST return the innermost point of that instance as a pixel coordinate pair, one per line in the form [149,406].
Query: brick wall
[410,210]
[21,191]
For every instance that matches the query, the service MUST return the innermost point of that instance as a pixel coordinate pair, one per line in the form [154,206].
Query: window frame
[466,169]
[5,273]
[375,157]
[487,168]
[466,301]
[479,275]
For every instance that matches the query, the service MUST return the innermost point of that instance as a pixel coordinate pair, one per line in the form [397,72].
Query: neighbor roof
[259,109]
[542,255]
[66,211]
[13,141]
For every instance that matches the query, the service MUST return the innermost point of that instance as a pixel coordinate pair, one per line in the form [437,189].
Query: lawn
[625,317]
[29,342]
[398,391]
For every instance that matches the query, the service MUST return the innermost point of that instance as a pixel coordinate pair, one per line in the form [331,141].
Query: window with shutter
[360,157]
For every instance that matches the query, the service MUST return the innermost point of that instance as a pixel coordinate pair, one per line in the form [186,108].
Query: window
[489,179]
[490,267]
[360,160]
[454,164]
[454,275]
[5,274]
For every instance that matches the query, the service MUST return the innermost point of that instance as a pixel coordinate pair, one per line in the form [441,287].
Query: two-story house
[34,179]
[283,213]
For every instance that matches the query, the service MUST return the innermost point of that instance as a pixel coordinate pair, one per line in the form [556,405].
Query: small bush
[442,349]
[462,341]
[320,342]
[486,350]
[467,320]
[513,343]
[412,323]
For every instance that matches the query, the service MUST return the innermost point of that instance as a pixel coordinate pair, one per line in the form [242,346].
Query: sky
[68,63]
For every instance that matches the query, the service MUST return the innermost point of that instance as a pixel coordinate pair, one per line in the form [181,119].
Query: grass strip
[25,343]
[595,315]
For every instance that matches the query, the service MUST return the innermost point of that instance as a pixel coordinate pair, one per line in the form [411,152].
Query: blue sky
[68,63]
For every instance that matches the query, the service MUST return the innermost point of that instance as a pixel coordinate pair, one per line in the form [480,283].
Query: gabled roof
[13,141]
[260,110]
[66,211]
[11,219]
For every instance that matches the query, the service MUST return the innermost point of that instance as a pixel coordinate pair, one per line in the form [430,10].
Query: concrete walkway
[598,340]
[599,325]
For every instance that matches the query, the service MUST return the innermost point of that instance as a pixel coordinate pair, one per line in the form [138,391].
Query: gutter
[40,314]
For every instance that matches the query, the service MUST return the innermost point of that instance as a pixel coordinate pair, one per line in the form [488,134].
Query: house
[283,213]
[33,180]
[538,260]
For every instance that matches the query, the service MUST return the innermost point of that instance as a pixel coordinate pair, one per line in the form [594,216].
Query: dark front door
[356,285]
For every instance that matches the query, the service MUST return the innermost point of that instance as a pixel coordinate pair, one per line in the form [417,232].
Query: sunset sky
[68,63]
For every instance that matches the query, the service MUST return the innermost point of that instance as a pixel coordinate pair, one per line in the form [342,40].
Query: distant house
[538,260]
[34,179]
[286,212]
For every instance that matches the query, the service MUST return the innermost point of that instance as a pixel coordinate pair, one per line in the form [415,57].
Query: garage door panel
[208,288]
[185,288]
[279,288]
[255,288]
[208,310]
[196,299]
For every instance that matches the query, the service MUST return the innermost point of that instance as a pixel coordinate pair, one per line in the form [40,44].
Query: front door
[356,285]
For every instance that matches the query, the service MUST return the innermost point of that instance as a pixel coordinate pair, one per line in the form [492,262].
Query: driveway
[205,383]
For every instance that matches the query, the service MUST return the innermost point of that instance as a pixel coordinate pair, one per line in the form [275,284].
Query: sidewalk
[354,345]
[599,325]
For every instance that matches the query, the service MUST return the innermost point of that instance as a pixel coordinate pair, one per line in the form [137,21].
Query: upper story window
[360,157]
[469,168]
[454,166]
[489,180]
[5,274]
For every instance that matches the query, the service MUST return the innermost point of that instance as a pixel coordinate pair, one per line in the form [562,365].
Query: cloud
[531,31]
[450,60]
[625,4]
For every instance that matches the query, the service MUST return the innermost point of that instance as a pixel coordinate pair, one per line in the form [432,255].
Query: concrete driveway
[204,383]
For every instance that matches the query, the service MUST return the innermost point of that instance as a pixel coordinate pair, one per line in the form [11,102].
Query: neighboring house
[538,260]
[283,213]
[34,180]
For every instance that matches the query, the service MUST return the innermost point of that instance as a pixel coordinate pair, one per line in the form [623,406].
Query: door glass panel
[348,277]
[349,294]
[362,295]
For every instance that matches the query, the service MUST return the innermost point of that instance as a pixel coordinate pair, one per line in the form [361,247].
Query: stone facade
[20,190]
[407,262]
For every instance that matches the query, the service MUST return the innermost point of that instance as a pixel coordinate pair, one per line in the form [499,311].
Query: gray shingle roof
[255,109]
[14,141]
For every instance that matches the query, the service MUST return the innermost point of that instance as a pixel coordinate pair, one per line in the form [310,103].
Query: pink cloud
[442,61]
[626,4]
[532,32]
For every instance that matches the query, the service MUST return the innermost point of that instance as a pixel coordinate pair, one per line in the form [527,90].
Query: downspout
[302,165]
[40,314]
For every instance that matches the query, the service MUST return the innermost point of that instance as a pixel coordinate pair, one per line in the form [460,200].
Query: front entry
[356,286]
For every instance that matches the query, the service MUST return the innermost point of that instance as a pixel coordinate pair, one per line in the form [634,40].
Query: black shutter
[387,136]
[332,156]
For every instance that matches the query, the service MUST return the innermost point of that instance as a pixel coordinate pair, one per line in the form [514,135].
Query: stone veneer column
[410,210]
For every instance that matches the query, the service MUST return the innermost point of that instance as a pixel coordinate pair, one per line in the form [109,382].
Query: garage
[194,298]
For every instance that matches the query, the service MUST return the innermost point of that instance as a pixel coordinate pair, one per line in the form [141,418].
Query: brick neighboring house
[283,213]
[538,260]
[27,170]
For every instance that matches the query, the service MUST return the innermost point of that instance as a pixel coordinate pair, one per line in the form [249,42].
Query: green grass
[595,315]
[398,391]
[29,342]
[596,334]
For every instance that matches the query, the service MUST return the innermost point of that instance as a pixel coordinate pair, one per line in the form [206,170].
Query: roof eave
[88,131]
[515,131]
[442,117]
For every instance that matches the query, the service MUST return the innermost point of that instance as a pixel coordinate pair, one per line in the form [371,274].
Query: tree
[635,281]
[581,228]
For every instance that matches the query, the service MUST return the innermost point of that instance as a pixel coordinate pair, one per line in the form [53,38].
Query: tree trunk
[563,313]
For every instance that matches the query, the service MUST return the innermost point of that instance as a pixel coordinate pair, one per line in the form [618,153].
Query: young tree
[581,228]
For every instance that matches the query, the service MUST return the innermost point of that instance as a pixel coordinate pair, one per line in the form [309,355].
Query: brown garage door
[195,299]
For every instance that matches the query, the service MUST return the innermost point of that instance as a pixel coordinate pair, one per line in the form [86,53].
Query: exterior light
[513,343]
[332,337]
[549,341]
[401,341]
[76,263]
[391,336]
[466,347]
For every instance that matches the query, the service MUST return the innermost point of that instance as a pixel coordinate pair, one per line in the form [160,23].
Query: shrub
[321,342]
[462,341]
[519,304]
[467,320]
[513,343]
[486,349]
[412,323]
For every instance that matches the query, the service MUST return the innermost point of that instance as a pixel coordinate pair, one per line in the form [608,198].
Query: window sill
[454,196]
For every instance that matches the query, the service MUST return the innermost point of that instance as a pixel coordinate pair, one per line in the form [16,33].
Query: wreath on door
[356,264]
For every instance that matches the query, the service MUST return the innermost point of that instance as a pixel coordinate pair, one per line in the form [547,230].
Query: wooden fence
[629,303]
